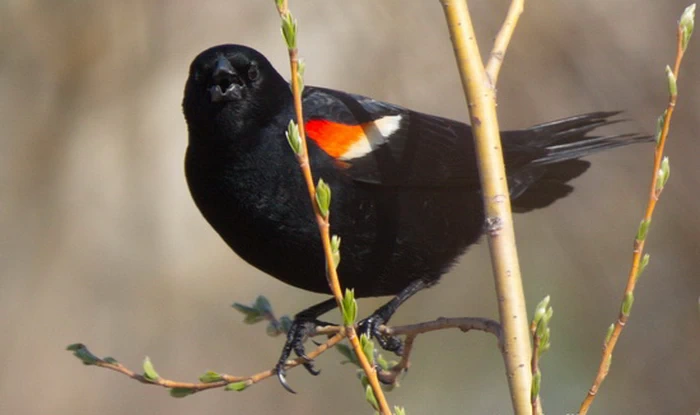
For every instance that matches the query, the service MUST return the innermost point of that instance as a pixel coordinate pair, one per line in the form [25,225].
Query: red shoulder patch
[334,138]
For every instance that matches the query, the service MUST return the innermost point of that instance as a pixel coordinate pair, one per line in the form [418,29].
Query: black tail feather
[557,147]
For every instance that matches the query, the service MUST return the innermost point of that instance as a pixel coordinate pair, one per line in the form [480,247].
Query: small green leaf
[671,78]
[256,313]
[382,362]
[262,304]
[285,324]
[149,372]
[237,386]
[399,410]
[293,137]
[289,30]
[643,230]
[687,24]
[627,304]
[210,377]
[323,198]
[181,392]
[348,353]
[609,334]
[273,329]
[81,352]
[369,396]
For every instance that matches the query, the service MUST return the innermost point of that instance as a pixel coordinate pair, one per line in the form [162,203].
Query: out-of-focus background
[102,244]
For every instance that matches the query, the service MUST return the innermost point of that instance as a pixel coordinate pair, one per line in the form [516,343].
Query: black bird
[406,197]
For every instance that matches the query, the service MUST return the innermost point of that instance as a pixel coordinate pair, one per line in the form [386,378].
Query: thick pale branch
[480,95]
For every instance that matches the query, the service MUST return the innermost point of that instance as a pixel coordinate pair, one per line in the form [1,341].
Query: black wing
[412,149]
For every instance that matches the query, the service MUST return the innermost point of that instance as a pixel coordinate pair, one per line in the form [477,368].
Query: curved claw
[282,377]
[309,366]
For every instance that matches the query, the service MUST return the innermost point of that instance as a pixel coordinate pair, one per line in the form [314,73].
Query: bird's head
[232,88]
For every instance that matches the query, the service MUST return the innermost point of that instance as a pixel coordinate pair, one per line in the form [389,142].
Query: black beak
[223,69]
[227,84]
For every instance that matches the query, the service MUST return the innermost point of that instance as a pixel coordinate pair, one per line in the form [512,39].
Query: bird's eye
[253,72]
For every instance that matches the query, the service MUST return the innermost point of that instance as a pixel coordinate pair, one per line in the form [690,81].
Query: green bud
[237,386]
[335,249]
[540,310]
[609,334]
[398,410]
[687,24]
[642,265]
[349,307]
[181,392]
[659,184]
[367,348]
[323,198]
[643,229]
[660,126]
[536,384]
[81,352]
[671,78]
[627,304]
[210,377]
[149,372]
[289,30]
[301,68]
[293,137]
[666,169]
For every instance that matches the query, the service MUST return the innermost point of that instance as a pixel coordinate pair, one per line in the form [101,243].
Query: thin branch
[335,333]
[480,95]
[638,260]
[323,220]
[500,45]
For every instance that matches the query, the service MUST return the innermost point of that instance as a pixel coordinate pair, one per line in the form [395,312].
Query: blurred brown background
[102,244]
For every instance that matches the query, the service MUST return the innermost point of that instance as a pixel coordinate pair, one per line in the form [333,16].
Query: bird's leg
[370,325]
[304,323]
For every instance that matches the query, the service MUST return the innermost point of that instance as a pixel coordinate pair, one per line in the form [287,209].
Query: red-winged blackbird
[406,197]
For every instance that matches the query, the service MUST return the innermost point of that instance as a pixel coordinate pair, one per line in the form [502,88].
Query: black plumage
[406,201]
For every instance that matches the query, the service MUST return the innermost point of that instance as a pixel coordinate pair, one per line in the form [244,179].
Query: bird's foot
[370,327]
[299,331]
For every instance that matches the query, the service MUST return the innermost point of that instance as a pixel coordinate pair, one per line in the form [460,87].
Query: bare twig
[323,219]
[500,45]
[658,180]
[480,95]
[335,333]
